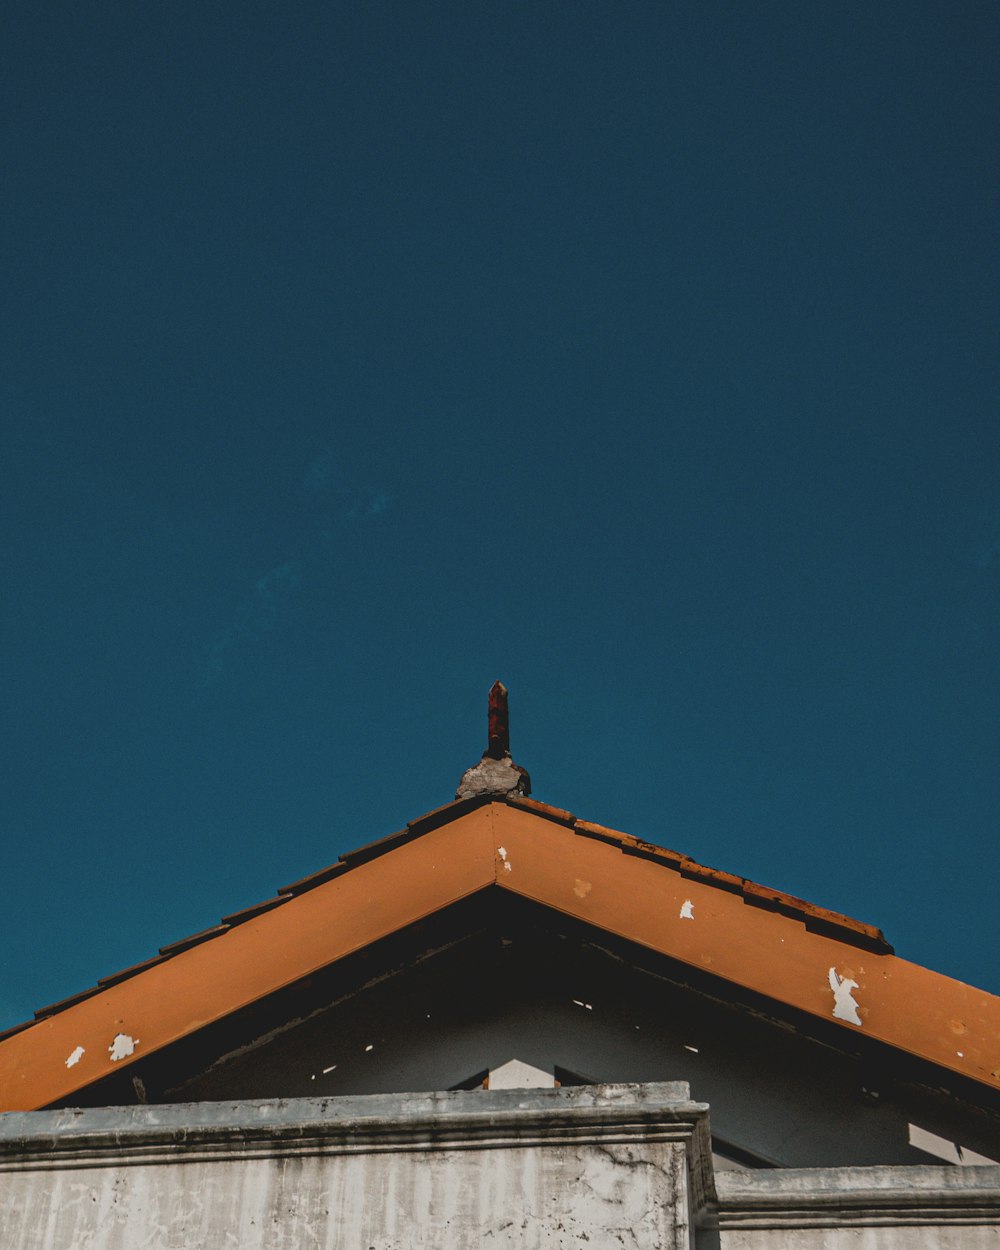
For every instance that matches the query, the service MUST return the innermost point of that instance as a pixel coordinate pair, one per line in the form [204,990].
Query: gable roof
[755,940]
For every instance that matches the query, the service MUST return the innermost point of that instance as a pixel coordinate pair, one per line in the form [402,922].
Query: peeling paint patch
[844,1005]
[578,1002]
[687,910]
[370,1046]
[122,1047]
[582,888]
[329,1069]
[692,1049]
[502,852]
[75,1057]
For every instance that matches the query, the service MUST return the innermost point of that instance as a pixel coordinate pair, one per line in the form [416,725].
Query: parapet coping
[898,1195]
[448,1120]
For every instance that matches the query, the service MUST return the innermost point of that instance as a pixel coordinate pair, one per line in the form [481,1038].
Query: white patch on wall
[502,852]
[75,1057]
[844,1006]
[942,1148]
[517,1075]
[122,1047]
[687,910]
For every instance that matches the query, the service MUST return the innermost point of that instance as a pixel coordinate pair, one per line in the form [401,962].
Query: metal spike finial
[498,722]
[496,773]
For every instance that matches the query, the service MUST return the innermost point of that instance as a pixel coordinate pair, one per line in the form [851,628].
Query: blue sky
[643,355]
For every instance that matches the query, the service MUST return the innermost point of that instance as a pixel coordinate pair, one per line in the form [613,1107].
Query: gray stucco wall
[874,1208]
[593,1167]
[600,1168]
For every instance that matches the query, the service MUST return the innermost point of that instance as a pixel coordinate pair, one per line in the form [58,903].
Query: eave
[762,941]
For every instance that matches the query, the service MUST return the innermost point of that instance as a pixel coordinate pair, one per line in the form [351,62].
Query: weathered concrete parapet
[595,1166]
[912,1208]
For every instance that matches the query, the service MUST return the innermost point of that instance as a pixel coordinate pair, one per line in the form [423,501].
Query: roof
[748,937]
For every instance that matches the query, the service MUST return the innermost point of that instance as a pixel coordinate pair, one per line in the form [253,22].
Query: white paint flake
[370,1046]
[329,1069]
[75,1057]
[578,1002]
[502,852]
[122,1047]
[687,910]
[844,1006]
[692,1049]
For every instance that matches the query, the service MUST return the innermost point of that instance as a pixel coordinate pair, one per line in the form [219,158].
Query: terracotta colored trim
[134,970]
[180,995]
[194,939]
[16,1028]
[314,879]
[372,850]
[768,952]
[256,909]
[778,947]
[542,809]
[70,1001]
[760,895]
[441,815]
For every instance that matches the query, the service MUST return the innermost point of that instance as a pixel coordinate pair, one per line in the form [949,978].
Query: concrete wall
[876,1208]
[592,1167]
[600,1168]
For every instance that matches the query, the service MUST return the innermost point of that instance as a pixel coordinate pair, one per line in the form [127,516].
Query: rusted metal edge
[193,939]
[256,909]
[17,1028]
[351,859]
[372,850]
[415,829]
[558,814]
[314,879]
[441,815]
[104,982]
[43,1012]
[819,919]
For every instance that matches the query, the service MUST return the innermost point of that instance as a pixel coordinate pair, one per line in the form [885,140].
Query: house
[508,1026]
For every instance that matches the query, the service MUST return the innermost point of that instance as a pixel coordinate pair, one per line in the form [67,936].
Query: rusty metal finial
[498,722]
[496,773]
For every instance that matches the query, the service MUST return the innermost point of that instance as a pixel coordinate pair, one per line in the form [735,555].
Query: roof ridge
[754,894]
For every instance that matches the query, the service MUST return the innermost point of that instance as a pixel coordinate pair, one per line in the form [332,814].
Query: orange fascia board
[667,910]
[175,998]
[657,899]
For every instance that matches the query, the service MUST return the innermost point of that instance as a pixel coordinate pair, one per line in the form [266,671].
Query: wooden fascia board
[908,1007]
[198,986]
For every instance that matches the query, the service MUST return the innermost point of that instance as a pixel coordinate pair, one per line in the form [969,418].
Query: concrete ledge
[534,1169]
[854,1197]
[461,1119]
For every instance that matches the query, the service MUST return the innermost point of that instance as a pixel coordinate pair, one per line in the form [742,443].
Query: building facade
[507,1026]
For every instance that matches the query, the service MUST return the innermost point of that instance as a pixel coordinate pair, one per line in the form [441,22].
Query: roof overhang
[760,941]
